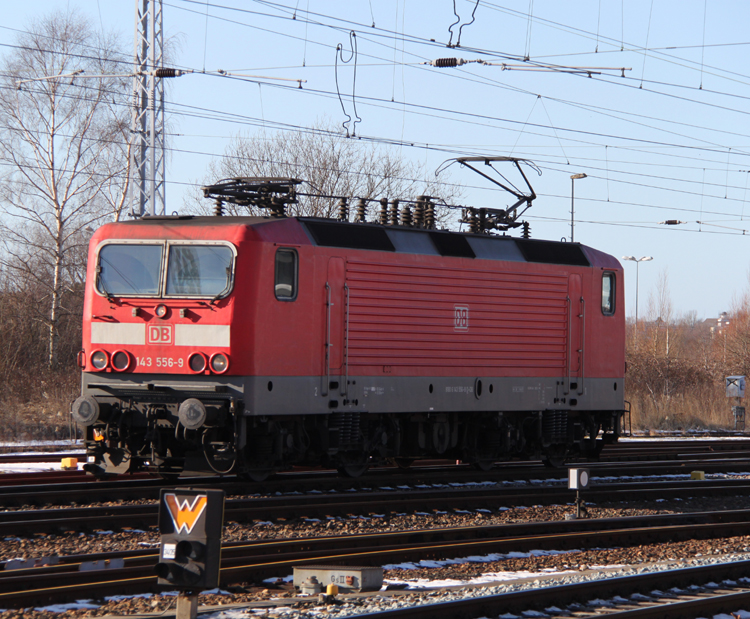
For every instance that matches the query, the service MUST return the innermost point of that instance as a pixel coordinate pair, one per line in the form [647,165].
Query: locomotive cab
[157,349]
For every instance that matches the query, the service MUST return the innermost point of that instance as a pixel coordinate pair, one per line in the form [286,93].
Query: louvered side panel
[405,316]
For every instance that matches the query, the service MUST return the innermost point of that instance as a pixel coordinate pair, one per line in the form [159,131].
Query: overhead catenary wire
[374,140]
[447,150]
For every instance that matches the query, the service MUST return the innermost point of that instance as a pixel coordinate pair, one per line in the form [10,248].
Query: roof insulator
[383,219]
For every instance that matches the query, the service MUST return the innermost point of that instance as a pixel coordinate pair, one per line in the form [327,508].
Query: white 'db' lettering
[461,317]
[160,334]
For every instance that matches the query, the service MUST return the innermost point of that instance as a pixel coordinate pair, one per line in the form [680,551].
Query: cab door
[576,318]
[335,352]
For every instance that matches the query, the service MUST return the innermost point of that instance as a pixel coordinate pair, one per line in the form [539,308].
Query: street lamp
[573,179]
[637,262]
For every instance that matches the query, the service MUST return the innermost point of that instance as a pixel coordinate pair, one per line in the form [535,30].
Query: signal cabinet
[190,524]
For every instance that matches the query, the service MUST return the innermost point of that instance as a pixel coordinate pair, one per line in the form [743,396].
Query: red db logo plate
[160,334]
[460,317]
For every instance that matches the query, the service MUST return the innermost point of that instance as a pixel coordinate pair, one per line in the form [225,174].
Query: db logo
[160,334]
[460,318]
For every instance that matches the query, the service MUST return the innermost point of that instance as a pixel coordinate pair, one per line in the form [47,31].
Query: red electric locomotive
[250,344]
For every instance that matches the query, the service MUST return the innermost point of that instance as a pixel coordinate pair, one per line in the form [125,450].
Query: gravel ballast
[546,568]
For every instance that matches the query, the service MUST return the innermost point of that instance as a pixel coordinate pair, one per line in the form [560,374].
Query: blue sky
[669,141]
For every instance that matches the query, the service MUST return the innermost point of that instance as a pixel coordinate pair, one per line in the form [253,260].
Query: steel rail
[624,451]
[384,503]
[543,597]
[143,487]
[243,561]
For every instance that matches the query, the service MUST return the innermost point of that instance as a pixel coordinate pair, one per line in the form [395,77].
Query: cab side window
[285,280]
[608,294]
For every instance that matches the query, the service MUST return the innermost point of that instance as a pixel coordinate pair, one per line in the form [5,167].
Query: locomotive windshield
[192,269]
[129,269]
[202,270]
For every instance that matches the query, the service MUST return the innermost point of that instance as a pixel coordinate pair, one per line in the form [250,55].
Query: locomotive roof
[405,239]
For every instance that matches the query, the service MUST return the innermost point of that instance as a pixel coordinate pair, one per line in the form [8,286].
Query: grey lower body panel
[260,424]
[293,395]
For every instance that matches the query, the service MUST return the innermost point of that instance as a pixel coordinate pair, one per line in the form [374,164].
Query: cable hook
[352,56]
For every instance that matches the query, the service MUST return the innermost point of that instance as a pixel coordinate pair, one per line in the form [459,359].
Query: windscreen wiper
[101,286]
[226,288]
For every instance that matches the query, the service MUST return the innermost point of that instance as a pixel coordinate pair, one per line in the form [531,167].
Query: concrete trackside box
[345,578]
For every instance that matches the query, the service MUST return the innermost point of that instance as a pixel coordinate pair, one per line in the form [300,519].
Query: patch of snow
[61,608]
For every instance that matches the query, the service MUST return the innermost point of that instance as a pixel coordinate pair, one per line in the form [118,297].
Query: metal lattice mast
[147,155]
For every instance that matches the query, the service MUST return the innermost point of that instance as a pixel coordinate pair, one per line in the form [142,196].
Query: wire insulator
[406,215]
[429,215]
[343,210]
[419,212]
[444,63]
[383,217]
[526,230]
[361,210]
[473,222]
[278,207]
[219,208]
[394,213]
[165,72]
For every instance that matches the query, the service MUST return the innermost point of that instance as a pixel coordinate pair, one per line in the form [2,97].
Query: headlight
[161,311]
[120,361]
[219,363]
[99,359]
[198,362]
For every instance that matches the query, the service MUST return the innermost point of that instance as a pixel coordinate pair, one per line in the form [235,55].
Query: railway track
[69,578]
[431,494]
[672,594]
[70,488]
[383,502]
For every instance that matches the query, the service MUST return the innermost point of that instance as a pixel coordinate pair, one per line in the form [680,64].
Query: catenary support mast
[147,186]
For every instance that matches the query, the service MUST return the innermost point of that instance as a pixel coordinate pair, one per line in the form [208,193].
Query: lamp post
[573,179]
[637,262]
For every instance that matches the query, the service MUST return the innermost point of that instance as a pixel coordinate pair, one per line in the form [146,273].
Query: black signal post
[578,479]
[190,524]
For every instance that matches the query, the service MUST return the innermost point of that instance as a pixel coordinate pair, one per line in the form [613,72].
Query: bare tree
[61,142]
[735,335]
[333,166]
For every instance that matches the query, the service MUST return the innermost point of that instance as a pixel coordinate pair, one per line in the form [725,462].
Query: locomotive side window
[129,269]
[608,294]
[199,270]
[285,280]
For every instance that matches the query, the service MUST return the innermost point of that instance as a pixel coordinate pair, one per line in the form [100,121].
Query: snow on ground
[37,467]
[64,448]
[488,577]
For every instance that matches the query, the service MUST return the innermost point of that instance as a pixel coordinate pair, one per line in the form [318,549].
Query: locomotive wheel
[403,464]
[592,455]
[256,475]
[483,465]
[554,457]
[352,470]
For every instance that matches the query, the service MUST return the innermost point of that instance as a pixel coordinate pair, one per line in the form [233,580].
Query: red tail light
[197,362]
[121,361]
